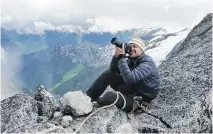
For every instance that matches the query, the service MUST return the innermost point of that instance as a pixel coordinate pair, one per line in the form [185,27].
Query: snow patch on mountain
[164,44]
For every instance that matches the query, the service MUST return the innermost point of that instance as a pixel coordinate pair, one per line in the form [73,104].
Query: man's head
[138,46]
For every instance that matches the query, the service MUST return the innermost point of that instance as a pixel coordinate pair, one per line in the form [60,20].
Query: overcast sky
[34,16]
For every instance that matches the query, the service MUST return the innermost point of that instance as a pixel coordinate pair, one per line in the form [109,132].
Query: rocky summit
[182,106]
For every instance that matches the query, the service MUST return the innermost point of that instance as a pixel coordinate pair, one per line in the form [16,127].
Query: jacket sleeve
[142,71]
[114,64]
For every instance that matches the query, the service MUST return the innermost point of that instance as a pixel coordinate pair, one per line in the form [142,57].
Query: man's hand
[118,51]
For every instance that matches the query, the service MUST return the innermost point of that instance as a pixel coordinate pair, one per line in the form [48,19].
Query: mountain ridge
[63,58]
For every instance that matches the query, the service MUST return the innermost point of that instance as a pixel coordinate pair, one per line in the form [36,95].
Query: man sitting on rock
[133,76]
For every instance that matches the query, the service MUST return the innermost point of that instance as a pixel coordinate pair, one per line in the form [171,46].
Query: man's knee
[106,74]
[111,79]
[99,85]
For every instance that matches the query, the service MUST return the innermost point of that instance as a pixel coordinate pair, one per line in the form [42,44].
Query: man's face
[136,51]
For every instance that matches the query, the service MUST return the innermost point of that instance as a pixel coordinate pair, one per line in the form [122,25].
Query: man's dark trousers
[116,82]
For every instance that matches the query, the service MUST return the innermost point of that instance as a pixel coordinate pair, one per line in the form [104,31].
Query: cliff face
[183,104]
[186,82]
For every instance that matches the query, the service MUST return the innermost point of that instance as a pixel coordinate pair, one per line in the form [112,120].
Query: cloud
[96,15]
[10,66]
[166,7]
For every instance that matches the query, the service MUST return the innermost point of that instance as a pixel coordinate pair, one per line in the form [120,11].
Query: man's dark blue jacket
[140,72]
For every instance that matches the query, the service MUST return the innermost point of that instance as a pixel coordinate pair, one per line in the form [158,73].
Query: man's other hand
[118,51]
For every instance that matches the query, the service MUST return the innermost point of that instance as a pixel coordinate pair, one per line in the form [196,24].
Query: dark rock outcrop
[46,102]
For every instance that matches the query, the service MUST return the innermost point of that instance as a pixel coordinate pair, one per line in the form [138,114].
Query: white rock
[66,121]
[80,103]
[57,114]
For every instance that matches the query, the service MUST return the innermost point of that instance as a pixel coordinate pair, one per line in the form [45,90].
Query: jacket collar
[136,60]
[140,57]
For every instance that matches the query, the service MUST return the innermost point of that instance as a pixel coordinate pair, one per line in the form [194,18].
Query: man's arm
[142,71]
